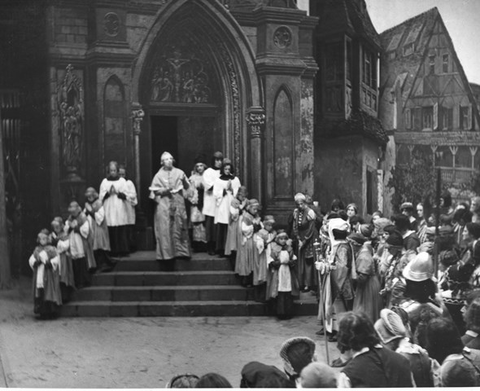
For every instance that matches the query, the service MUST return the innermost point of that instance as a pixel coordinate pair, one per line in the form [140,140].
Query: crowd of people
[399,295]
[84,243]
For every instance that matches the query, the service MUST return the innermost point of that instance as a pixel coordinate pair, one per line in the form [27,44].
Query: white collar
[471,333]
[408,233]
[365,350]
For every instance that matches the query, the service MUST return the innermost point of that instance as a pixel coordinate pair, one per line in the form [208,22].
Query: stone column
[137,118]
[256,127]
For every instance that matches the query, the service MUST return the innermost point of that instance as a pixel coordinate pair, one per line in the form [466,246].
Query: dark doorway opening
[164,138]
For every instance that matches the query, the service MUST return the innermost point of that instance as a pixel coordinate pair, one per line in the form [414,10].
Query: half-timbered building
[426,102]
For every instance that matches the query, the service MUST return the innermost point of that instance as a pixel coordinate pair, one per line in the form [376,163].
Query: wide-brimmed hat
[419,268]
[390,326]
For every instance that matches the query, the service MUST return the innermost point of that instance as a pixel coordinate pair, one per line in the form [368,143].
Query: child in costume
[247,251]
[237,207]
[282,283]
[263,240]
[46,282]
[61,241]
[78,229]
[99,237]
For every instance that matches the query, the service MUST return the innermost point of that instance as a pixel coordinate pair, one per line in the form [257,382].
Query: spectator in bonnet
[394,336]
[296,354]
[370,364]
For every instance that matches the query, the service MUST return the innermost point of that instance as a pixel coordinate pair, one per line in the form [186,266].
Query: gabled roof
[416,31]
[401,58]
[347,16]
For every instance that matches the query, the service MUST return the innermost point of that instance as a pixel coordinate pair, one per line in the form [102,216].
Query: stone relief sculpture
[70,108]
[181,78]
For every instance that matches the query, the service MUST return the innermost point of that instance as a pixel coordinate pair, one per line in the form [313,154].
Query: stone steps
[202,286]
[216,277]
[176,308]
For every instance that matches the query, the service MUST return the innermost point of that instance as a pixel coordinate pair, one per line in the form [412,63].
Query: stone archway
[199,46]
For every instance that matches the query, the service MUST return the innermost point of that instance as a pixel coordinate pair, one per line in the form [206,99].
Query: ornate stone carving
[256,122]
[137,118]
[282,37]
[111,24]
[71,113]
[180,77]
[232,74]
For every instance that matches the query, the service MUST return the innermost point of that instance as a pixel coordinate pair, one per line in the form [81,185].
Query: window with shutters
[446,119]
[427,117]
[466,117]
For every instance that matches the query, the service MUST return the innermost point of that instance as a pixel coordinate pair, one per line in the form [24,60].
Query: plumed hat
[338,223]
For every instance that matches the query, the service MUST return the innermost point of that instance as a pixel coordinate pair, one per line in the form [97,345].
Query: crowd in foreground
[399,295]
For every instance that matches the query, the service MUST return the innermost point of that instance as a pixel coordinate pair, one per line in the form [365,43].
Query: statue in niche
[72,135]
[70,107]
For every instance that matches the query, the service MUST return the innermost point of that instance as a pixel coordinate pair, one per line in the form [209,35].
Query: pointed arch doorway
[196,81]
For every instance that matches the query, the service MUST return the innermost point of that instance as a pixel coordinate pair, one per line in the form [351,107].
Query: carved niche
[283,141]
[71,114]
[115,121]
[182,74]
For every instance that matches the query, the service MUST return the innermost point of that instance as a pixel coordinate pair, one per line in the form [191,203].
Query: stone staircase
[201,286]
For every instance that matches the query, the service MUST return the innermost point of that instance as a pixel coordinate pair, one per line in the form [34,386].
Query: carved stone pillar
[256,128]
[137,118]
[71,127]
